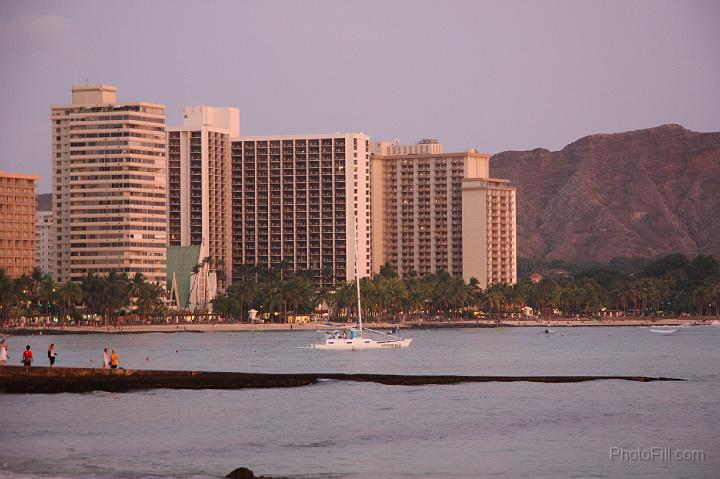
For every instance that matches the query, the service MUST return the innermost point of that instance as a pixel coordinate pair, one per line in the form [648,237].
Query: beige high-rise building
[489,227]
[199,183]
[419,217]
[109,195]
[17,223]
[426,146]
[295,202]
[44,232]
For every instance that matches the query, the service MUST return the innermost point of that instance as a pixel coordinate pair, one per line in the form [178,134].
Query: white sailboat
[356,339]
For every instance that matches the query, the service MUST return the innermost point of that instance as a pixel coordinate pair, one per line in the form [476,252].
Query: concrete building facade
[489,227]
[44,232]
[18,198]
[199,184]
[109,186]
[296,200]
[426,146]
[420,216]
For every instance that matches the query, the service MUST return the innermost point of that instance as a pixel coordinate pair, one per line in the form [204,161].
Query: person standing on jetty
[114,359]
[106,359]
[27,357]
[3,351]
[52,354]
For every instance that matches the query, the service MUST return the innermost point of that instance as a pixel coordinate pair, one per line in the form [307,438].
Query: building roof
[410,156]
[311,136]
[180,261]
[20,176]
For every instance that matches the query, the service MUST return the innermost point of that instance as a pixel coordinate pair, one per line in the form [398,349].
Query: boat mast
[357,277]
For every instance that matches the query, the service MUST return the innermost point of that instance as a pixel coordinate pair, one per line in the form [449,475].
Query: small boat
[663,331]
[356,338]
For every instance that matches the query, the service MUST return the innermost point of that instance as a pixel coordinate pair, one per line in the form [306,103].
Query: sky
[491,75]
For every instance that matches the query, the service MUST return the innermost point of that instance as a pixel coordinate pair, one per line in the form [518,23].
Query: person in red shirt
[27,356]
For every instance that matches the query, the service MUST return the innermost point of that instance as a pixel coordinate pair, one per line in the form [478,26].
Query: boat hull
[360,344]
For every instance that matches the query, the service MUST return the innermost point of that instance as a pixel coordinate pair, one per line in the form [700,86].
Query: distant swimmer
[546,331]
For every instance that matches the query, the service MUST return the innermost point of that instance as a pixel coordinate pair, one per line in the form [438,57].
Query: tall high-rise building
[419,218]
[296,200]
[44,232]
[489,231]
[199,183]
[17,223]
[109,177]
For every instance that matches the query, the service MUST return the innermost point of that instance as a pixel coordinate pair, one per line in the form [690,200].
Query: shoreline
[246,327]
[46,380]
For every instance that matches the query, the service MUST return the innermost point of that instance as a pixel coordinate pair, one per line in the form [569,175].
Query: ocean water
[358,430]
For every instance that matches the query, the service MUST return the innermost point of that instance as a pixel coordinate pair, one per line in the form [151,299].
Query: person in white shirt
[3,352]
[106,359]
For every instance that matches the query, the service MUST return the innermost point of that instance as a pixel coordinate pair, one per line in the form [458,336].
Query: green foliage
[669,285]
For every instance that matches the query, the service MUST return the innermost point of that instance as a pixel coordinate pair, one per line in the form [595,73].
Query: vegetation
[671,285]
[103,295]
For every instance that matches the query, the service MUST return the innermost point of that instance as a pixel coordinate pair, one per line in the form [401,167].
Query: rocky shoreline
[46,380]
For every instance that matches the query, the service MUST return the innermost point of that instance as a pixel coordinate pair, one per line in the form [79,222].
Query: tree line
[103,295]
[670,285]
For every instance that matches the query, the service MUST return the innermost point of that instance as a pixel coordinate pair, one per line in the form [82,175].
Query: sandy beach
[225,327]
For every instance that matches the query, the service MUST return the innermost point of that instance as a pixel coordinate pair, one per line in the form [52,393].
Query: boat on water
[359,338]
[663,331]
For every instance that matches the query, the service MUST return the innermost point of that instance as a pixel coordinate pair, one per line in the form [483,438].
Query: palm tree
[325,295]
[68,295]
[7,294]
[94,289]
[36,278]
[149,299]
[272,296]
[46,292]
[494,300]
[621,295]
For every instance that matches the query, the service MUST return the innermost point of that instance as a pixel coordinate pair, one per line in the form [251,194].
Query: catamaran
[359,338]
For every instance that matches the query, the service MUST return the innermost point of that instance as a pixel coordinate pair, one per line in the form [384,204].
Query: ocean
[362,430]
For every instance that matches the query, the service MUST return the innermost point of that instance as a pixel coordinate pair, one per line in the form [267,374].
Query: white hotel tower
[108,194]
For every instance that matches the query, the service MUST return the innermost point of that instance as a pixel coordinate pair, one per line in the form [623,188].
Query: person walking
[114,359]
[27,357]
[52,354]
[3,352]
[106,359]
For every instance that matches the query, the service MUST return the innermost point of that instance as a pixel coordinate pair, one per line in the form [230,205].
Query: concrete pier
[19,379]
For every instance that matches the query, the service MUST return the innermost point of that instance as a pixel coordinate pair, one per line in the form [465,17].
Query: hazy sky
[490,75]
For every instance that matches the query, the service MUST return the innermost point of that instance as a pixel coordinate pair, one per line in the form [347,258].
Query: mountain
[635,194]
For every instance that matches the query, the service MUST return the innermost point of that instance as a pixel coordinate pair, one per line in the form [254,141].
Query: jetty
[44,380]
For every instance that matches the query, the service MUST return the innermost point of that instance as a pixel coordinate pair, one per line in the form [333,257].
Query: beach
[191,327]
